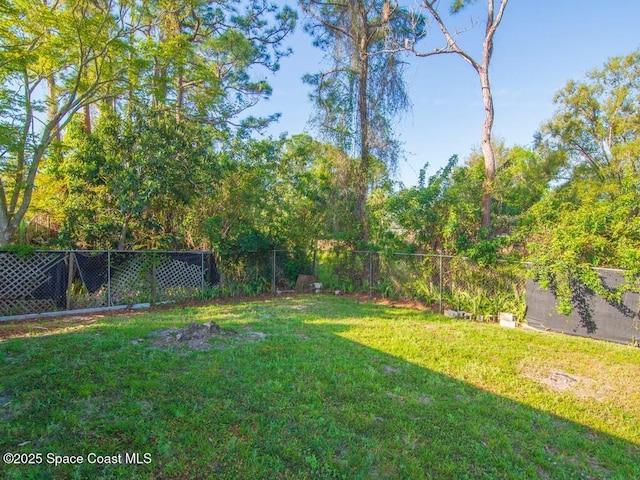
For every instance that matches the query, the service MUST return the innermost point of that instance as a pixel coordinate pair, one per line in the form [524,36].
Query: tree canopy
[362,91]
[128,124]
[190,59]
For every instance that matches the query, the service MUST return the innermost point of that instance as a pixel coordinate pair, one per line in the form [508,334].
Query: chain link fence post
[109,301]
[273,273]
[440,278]
[370,275]
[202,274]
[71,273]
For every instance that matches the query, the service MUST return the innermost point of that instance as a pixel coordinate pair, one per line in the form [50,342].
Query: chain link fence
[70,280]
[54,281]
[243,275]
[437,281]
[45,281]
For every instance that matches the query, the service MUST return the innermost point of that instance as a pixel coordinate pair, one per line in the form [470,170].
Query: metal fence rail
[47,281]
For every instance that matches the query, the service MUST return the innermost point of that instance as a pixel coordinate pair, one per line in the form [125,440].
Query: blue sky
[540,45]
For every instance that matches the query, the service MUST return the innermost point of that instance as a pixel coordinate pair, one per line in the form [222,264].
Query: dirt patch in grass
[197,336]
[561,381]
[593,379]
[390,369]
[46,326]
[49,325]
[411,304]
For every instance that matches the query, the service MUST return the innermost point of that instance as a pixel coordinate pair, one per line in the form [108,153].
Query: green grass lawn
[317,387]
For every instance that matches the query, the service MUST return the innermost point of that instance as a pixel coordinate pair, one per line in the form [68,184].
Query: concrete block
[507,320]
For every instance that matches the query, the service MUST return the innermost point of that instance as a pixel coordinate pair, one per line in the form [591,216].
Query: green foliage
[198,59]
[485,290]
[21,251]
[362,91]
[568,238]
[130,176]
[596,123]
[421,208]
[591,219]
[240,216]
[523,177]
[282,194]
[485,252]
[73,51]
[318,187]
[442,213]
[343,270]
[458,5]
[189,63]
[409,277]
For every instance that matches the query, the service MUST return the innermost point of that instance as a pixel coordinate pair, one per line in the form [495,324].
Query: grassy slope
[336,389]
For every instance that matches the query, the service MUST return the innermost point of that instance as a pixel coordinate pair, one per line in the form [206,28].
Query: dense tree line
[127,124]
[189,65]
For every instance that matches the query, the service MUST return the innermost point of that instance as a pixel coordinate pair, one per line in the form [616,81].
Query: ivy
[591,218]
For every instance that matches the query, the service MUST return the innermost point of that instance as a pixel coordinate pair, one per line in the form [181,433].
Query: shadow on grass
[304,402]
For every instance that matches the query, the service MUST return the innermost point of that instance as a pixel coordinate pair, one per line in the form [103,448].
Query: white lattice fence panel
[174,273]
[20,277]
[175,277]
[128,280]
[39,282]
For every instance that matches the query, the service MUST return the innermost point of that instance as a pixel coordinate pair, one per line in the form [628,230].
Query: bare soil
[195,336]
[561,381]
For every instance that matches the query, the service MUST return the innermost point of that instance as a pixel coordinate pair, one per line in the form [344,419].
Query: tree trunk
[493,21]
[123,233]
[52,105]
[14,208]
[12,214]
[487,148]
[362,48]
[6,234]
[8,226]
[363,170]
[87,119]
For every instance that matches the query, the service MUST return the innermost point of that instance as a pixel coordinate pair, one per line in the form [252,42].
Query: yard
[313,387]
